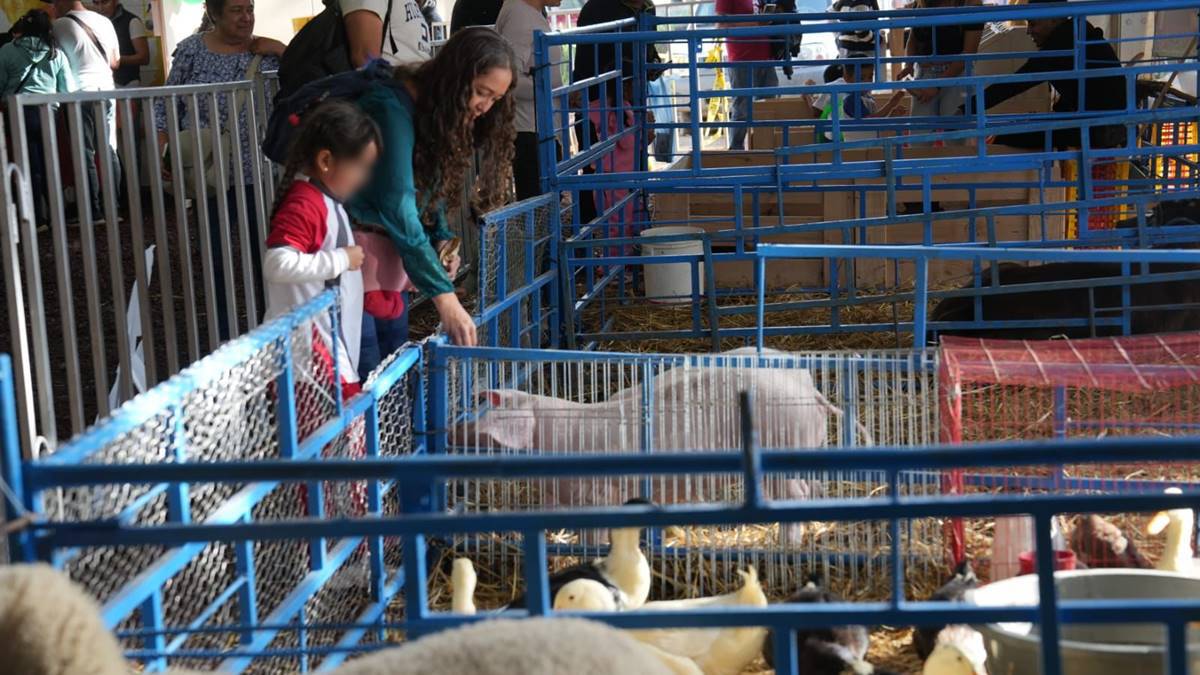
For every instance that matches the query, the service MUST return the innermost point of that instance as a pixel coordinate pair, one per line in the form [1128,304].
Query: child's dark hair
[340,127]
[37,24]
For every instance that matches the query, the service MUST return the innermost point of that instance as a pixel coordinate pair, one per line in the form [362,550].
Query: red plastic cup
[1063,560]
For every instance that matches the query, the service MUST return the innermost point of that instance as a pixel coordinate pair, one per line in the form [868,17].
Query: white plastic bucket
[671,283]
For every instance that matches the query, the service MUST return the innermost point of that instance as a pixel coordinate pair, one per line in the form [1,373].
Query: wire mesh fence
[513,403]
[1141,386]
[517,275]
[271,395]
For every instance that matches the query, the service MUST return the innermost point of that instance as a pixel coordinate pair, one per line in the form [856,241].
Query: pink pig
[692,408]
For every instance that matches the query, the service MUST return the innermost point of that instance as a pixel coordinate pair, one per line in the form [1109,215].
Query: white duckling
[462,587]
[715,651]
[1179,524]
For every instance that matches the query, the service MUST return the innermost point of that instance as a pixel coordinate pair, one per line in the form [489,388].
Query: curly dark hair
[446,137]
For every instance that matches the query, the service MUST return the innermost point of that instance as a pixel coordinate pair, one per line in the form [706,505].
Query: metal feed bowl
[1096,649]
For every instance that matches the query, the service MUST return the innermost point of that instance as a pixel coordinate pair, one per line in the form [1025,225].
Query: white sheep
[51,626]
[526,646]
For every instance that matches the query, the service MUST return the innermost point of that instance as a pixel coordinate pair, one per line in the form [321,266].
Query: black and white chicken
[837,650]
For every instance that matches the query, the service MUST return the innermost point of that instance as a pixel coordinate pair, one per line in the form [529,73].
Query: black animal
[954,590]
[827,651]
[1168,214]
[1165,306]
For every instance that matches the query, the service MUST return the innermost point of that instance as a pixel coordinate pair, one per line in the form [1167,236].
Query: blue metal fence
[268,396]
[518,275]
[851,190]
[421,477]
[1131,262]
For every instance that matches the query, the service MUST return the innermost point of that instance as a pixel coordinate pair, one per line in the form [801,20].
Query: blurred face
[1040,30]
[236,22]
[345,177]
[61,7]
[488,88]
[106,7]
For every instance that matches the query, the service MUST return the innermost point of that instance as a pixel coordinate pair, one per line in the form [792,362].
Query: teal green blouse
[390,198]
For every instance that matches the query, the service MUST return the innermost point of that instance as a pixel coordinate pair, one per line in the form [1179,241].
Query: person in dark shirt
[1100,93]
[593,60]
[468,13]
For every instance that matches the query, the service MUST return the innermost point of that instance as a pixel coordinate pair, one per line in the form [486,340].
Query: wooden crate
[1008,228]
[791,108]
[715,212]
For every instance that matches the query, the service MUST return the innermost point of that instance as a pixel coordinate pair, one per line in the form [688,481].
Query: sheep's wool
[51,627]
[508,646]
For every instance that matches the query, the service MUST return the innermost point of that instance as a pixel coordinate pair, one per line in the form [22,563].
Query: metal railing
[357,612]
[844,180]
[130,272]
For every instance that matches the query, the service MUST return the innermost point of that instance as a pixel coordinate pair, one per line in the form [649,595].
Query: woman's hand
[455,320]
[265,46]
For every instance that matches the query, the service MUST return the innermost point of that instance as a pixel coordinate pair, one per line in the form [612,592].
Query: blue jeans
[744,77]
[380,338]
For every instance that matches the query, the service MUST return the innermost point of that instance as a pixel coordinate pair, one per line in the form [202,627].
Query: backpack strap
[387,29]
[32,67]
[95,40]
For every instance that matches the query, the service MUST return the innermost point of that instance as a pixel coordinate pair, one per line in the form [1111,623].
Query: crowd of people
[387,166]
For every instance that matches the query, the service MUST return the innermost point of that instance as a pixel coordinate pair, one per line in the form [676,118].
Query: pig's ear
[508,422]
[511,429]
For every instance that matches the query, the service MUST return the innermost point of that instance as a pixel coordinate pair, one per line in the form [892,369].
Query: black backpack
[290,110]
[320,49]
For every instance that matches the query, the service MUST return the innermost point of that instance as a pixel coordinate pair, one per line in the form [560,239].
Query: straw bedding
[891,646]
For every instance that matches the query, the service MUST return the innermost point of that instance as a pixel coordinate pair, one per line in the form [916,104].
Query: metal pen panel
[109,164]
[128,122]
[90,258]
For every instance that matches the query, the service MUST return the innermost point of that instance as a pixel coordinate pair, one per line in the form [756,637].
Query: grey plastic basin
[1114,649]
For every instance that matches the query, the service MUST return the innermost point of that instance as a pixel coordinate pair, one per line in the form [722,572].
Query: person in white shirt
[405,37]
[517,22]
[94,52]
[131,34]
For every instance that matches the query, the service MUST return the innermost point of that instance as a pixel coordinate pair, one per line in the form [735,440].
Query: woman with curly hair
[448,108]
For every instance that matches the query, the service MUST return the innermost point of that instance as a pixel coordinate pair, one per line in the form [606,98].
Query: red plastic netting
[1001,390]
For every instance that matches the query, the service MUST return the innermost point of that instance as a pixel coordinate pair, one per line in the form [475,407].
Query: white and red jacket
[305,256]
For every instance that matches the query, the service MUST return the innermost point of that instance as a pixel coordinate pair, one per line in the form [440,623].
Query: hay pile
[647,317]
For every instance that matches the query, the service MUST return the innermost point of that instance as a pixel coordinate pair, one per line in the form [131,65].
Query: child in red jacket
[310,247]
